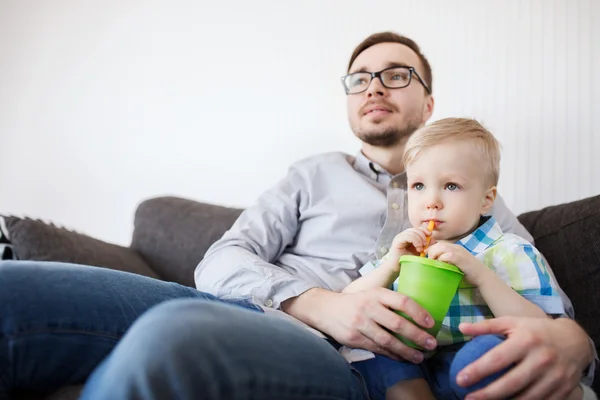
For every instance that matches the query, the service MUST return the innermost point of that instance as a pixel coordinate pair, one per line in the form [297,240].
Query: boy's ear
[488,200]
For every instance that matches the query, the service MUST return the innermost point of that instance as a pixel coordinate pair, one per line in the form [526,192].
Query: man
[305,240]
[291,254]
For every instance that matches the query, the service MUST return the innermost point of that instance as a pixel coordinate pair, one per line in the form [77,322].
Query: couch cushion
[36,240]
[569,236]
[173,234]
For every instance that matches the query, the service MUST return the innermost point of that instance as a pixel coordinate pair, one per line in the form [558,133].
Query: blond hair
[451,129]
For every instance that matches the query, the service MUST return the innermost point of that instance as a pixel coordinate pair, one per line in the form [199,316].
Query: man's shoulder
[324,160]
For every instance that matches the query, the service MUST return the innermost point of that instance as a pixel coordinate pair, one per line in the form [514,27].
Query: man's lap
[70,316]
[75,315]
[185,347]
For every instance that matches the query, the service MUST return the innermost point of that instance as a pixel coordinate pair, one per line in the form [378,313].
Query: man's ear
[427,109]
[488,200]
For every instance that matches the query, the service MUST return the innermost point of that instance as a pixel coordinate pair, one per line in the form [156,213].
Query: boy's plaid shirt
[515,260]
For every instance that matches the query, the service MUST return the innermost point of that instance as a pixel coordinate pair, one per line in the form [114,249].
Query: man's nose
[376,88]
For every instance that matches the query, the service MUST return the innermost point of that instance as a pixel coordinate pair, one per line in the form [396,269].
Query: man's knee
[469,353]
[179,327]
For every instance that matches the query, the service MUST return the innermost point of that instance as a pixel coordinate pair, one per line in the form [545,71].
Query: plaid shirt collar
[483,237]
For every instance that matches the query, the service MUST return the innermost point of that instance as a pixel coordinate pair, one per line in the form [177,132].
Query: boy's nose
[434,203]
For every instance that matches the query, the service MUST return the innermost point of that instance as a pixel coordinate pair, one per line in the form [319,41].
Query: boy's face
[448,183]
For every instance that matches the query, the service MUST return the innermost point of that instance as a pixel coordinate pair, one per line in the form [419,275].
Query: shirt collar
[483,237]
[369,168]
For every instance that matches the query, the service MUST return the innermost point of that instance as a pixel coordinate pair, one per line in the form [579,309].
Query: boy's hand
[455,254]
[411,241]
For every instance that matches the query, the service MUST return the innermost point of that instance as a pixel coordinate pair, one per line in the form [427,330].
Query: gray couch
[172,234]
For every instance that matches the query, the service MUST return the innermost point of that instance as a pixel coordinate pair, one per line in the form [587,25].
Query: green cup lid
[431,263]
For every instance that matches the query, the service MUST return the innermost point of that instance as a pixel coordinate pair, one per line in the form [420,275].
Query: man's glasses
[391,78]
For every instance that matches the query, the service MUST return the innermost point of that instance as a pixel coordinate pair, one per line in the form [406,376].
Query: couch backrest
[569,237]
[172,234]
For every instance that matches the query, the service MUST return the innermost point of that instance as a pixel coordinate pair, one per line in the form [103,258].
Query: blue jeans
[62,323]
[440,370]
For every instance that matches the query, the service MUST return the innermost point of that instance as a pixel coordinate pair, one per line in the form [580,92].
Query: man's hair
[456,129]
[391,37]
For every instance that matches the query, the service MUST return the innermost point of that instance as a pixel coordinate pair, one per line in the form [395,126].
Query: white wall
[106,103]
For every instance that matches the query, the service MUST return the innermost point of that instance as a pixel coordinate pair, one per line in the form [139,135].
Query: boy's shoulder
[511,240]
[513,247]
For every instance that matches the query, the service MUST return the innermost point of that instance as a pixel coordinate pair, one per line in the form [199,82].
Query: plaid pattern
[515,260]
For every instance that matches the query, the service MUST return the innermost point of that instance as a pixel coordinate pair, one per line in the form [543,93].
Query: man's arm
[240,264]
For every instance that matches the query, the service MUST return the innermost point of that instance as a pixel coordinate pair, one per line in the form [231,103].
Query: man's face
[380,116]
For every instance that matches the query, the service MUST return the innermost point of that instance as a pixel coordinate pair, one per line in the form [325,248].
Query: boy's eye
[418,186]
[452,186]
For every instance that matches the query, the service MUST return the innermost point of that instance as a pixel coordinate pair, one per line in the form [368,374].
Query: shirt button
[383,250]
[269,303]
[395,206]
[395,185]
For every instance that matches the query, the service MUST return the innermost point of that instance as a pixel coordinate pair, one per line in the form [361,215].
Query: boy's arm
[503,300]
[528,292]
[410,241]
[382,276]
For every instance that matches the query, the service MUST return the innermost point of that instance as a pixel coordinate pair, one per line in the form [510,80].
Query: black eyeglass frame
[411,71]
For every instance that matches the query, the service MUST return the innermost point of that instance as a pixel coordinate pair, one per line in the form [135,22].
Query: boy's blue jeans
[440,370]
[59,322]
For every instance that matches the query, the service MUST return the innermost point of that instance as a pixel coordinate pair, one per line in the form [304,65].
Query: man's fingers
[367,344]
[509,352]
[397,324]
[555,384]
[546,387]
[495,326]
[513,381]
[391,344]
[399,302]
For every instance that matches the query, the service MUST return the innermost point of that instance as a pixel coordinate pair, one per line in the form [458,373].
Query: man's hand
[360,320]
[549,357]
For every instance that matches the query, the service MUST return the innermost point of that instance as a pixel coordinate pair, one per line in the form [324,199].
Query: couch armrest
[173,234]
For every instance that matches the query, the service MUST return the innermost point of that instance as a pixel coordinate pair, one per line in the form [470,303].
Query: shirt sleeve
[242,263]
[369,267]
[524,269]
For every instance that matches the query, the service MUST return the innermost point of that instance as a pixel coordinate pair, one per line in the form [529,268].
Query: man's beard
[389,137]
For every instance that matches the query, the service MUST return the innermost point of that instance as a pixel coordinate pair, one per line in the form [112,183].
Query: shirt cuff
[549,304]
[588,393]
[367,268]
